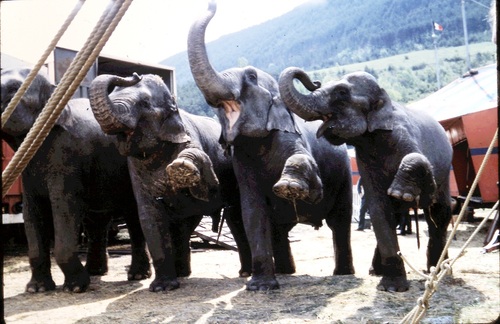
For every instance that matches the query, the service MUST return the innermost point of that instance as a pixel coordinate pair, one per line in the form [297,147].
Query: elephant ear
[280,118]
[381,114]
[76,111]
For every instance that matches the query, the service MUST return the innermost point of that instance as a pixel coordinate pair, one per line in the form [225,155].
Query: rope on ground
[31,76]
[63,93]
[443,267]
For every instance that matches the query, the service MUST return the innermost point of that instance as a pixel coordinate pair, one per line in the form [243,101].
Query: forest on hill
[330,34]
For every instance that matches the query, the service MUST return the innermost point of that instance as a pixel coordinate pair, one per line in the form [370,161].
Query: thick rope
[63,93]
[443,267]
[31,76]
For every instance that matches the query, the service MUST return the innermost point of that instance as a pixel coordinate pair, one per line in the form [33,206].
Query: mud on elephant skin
[284,173]
[76,176]
[179,171]
[403,156]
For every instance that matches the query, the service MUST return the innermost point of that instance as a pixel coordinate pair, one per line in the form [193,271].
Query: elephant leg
[67,222]
[181,235]
[376,267]
[256,219]
[414,180]
[391,266]
[39,233]
[193,169]
[339,221]
[156,226]
[283,258]
[438,217]
[157,230]
[96,227]
[258,229]
[140,267]
[300,180]
[232,215]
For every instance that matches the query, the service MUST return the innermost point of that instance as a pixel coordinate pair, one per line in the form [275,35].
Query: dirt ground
[215,294]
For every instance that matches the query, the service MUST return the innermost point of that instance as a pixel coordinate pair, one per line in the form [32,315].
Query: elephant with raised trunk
[284,174]
[403,155]
[179,171]
[76,176]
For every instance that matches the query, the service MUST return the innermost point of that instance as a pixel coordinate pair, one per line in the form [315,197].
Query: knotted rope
[63,93]
[31,76]
[444,267]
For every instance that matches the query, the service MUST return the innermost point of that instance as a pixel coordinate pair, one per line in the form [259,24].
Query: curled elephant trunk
[310,106]
[112,118]
[211,83]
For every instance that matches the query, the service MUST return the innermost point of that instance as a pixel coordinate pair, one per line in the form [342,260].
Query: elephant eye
[252,77]
[341,92]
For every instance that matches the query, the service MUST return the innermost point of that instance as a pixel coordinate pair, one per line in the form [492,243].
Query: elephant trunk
[112,118]
[310,106]
[211,83]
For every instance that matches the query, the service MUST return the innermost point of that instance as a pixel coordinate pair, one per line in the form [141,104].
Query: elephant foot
[43,285]
[284,265]
[183,272]
[78,283]
[291,189]
[374,272]
[244,273]
[139,272]
[343,270]
[393,284]
[414,180]
[262,283]
[300,180]
[164,284]
[284,269]
[97,266]
[182,173]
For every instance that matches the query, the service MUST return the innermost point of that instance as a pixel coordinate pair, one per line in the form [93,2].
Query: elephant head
[349,107]
[247,99]
[31,104]
[139,110]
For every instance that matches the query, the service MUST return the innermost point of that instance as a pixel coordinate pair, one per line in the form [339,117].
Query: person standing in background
[364,208]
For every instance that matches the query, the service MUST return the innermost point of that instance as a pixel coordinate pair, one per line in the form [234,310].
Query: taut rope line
[69,83]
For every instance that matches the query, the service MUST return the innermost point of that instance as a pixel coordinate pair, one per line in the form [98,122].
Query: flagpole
[466,37]
[436,58]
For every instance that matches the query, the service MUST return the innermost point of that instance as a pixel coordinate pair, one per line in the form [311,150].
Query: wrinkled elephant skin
[76,176]
[178,169]
[403,156]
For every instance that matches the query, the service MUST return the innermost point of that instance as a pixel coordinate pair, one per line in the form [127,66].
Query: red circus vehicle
[468,110]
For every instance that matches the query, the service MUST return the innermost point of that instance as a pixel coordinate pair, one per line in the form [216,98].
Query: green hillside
[406,77]
[327,33]
[412,76]
[388,38]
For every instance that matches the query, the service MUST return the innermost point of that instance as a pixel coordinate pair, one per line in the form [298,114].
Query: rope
[443,267]
[63,93]
[31,76]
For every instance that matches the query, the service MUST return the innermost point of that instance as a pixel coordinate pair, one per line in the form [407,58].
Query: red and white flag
[437,26]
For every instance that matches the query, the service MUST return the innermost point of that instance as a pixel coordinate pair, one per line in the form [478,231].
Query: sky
[150,31]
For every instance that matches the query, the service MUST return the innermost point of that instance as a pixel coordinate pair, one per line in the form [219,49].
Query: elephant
[404,158]
[285,175]
[77,176]
[179,171]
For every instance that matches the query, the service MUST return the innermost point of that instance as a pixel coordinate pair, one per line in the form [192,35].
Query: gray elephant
[179,171]
[403,155]
[284,174]
[76,175]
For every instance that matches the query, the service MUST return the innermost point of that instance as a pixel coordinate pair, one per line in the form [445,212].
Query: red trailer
[468,110]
